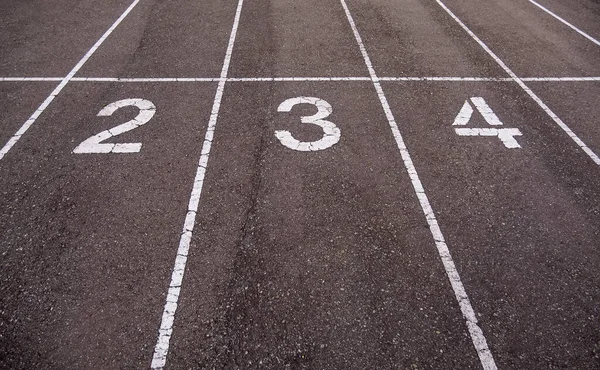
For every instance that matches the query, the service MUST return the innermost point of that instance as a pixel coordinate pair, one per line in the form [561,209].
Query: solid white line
[298,79]
[161,349]
[451,79]
[13,140]
[567,23]
[30,79]
[477,337]
[561,79]
[143,79]
[529,92]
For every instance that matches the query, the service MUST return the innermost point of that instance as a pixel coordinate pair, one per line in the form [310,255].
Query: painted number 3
[331,133]
[94,144]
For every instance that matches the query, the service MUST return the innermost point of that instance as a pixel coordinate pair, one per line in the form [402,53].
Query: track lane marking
[477,337]
[567,23]
[299,79]
[159,358]
[30,79]
[449,79]
[525,88]
[560,79]
[15,138]
[144,79]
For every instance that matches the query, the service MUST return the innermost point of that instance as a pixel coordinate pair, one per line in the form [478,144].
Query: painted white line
[159,358]
[451,79]
[567,23]
[477,337]
[560,79]
[525,88]
[298,79]
[30,79]
[15,138]
[143,79]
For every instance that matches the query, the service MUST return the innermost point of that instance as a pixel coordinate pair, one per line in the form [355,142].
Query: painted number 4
[331,133]
[95,143]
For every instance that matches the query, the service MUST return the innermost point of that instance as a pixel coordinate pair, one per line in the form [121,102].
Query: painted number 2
[331,133]
[94,144]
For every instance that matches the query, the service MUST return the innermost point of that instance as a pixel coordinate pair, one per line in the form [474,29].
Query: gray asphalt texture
[299,260]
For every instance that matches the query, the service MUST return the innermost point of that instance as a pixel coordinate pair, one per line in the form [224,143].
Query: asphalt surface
[323,259]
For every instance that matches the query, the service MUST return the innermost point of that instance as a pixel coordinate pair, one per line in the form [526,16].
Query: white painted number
[94,144]
[506,135]
[331,133]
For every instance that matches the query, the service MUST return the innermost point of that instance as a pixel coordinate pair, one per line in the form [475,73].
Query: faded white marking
[94,144]
[161,349]
[477,337]
[525,88]
[331,133]
[15,138]
[506,135]
[567,23]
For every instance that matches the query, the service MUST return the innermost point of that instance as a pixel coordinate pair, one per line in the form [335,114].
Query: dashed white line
[159,358]
[15,138]
[477,337]
[525,88]
[567,23]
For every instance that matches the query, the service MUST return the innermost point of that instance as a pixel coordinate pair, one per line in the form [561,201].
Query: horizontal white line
[30,79]
[560,79]
[455,79]
[298,79]
[143,79]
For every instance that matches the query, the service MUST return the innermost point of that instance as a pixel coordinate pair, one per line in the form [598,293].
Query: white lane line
[477,337]
[144,79]
[30,79]
[13,140]
[560,79]
[159,358]
[287,79]
[529,92]
[451,79]
[298,79]
[567,23]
